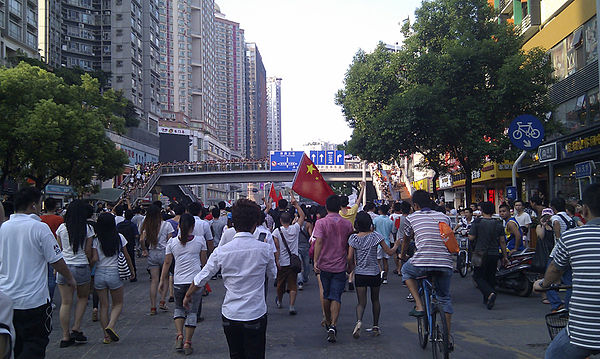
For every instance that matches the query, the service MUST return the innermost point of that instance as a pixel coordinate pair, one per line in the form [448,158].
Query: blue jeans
[554,297]
[51,281]
[306,267]
[442,282]
[561,348]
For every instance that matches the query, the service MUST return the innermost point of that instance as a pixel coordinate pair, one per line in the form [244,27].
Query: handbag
[477,258]
[124,272]
[449,238]
[295,263]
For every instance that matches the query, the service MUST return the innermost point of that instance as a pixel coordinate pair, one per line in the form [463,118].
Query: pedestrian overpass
[243,172]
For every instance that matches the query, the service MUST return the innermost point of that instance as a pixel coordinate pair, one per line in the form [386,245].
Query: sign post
[526,132]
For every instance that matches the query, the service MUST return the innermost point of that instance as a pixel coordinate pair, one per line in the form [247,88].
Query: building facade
[273,114]
[18,28]
[257,103]
[50,31]
[230,51]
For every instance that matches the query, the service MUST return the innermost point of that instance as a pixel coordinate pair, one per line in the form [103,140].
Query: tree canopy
[51,129]
[451,90]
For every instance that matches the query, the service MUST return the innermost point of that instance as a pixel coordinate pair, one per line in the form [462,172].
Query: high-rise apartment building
[273,114]
[49,31]
[18,28]
[230,65]
[257,103]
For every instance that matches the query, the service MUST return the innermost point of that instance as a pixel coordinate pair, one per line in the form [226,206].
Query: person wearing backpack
[561,222]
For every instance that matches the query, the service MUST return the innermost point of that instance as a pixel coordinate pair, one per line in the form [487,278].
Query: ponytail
[186,226]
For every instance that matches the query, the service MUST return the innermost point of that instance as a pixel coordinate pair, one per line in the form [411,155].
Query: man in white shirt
[523,218]
[243,262]
[26,247]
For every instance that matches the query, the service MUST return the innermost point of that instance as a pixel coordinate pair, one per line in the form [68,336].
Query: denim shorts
[81,273]
[442,281]
[156,258]
[107,277]
[190,315]
[333,285]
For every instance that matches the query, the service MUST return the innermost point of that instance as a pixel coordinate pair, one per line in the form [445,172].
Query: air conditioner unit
[67,38]
[81,25]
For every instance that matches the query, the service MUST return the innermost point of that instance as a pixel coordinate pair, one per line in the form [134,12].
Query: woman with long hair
[105,253]
[189,253]
[362,256]
[75,237]
[153,240]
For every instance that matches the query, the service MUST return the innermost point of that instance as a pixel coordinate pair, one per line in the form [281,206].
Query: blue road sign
[320,158]
[584,169]
[285,160]
[511,192]
[330,158]
[340,158]
[526,132]
[313,156]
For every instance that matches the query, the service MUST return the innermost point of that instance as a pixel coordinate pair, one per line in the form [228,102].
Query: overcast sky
[310,45]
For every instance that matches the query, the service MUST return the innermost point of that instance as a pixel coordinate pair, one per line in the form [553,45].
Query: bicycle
[527,130]
[557,321]
[463,259]
[433,324]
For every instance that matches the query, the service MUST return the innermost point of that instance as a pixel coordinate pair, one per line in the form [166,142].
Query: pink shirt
[334,231]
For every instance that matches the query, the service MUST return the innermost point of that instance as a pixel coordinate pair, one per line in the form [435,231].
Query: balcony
[197,91]
[529,26]
[506,7]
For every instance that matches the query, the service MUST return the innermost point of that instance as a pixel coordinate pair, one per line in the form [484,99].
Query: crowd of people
[138,178]
[248,246]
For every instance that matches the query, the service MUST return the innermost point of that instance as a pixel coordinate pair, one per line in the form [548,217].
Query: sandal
[95,315]
[106,340]
[112,334]
[162,305]
[187,348]
[152,311]
[179,342]
[545,301]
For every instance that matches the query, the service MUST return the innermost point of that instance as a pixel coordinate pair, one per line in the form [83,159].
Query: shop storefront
[489,184]
[426,184]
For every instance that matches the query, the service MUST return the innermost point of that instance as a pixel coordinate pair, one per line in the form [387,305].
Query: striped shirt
[366,252]
[431,250]
[580,247]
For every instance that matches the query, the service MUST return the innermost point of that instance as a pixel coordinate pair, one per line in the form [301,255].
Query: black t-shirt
[486,232]
[128,230]
[276,214]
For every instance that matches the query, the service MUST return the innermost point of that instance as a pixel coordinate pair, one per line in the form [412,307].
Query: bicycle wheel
[423,327]
[439,337]
[461,264]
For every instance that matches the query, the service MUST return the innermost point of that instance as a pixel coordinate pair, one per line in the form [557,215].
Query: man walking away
[579,248]
[488,235]
[383,225]
[218,224]
[26,247]
[130,231]
[243,263]
[331,251]
[53,221]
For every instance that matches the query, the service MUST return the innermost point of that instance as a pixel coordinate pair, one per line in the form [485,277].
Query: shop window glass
[594,112]
[559,60]
[590,41]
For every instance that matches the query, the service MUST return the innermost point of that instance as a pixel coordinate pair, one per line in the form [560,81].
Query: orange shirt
[53,221]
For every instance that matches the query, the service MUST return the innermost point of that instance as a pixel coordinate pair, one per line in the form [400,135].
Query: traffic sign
[340,158]
[320,158]
[330,158]
[584,169]
[313,156]
[526,132]
[282,161]
[511,192]
[547,153]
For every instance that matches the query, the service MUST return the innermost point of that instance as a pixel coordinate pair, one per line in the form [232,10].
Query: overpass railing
[234,166]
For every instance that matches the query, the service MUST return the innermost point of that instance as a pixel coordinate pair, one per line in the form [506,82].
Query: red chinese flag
[309,183]
[273,194]
[279,197]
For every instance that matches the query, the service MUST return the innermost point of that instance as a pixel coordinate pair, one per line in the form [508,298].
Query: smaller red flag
[309,183]
[279,196]
[273,194]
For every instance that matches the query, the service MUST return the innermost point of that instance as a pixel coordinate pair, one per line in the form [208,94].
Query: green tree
[463,78]
[51,129]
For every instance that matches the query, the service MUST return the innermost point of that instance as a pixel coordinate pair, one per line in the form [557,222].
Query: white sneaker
[356,332]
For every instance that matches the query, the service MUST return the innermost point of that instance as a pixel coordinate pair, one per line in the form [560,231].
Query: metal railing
[143,192]
[189,193]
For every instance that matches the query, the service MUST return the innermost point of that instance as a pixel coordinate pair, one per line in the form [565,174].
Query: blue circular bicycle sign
[526,132]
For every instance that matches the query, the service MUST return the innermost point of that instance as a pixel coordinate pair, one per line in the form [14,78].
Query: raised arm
[301,215]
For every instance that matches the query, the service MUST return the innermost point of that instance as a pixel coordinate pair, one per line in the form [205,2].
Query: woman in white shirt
[105,253]
[189,253]
[75,237]
[153,240]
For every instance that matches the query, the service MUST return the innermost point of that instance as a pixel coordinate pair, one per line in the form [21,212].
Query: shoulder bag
[295,263]
[124,272]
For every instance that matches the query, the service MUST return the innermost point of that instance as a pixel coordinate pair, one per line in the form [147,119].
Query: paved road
[514,329]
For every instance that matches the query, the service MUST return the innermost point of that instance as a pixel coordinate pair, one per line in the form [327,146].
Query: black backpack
[570,222]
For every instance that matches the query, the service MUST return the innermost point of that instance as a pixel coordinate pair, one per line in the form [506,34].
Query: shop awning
[108,194]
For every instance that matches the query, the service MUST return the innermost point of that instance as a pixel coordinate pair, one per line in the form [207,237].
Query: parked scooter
[517,277]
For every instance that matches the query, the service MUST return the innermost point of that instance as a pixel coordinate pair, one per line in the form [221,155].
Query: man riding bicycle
[579,248]
[431,254]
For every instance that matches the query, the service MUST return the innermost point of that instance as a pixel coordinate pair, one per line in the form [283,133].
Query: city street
[515,328]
